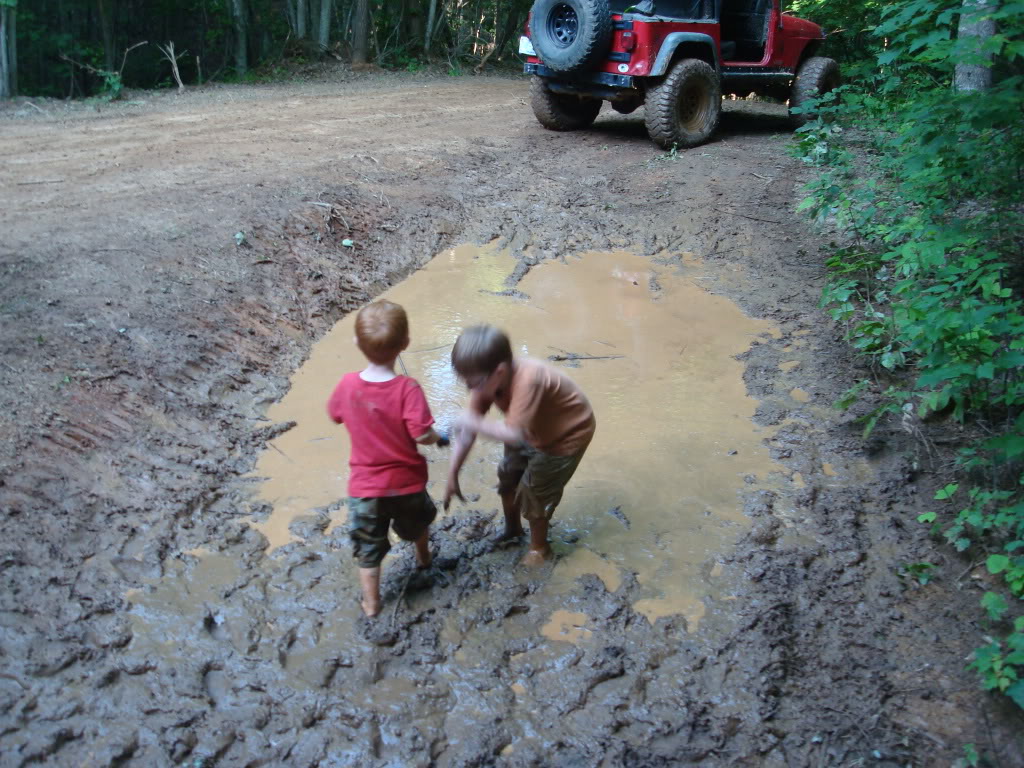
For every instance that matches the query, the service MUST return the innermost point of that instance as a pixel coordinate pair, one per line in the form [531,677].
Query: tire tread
[662,113]
[554,114]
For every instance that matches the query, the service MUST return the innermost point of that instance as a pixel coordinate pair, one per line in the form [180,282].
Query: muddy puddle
[649,346]
[646,523]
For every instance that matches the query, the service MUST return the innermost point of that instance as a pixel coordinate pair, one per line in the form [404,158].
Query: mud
[164,605]
[667,352]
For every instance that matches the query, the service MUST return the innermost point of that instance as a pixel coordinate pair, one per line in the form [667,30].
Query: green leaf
[926,517]
[994,604]
[1016,692]
[945,493]
[997,563]
[348,243]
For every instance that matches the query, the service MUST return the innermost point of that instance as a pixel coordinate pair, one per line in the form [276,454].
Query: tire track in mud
[128,448]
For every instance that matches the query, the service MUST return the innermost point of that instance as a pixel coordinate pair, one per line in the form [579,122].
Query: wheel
[571,35]
[561,112]
[683,109]
[815,77]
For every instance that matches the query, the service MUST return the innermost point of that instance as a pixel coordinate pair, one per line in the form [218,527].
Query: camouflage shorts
[370,518]
[537,479]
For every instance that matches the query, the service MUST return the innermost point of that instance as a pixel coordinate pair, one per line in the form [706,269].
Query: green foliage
[921,572]
[112,85]
[928,287]
[848,27]
[1001,664]
[971,756]
[404,61]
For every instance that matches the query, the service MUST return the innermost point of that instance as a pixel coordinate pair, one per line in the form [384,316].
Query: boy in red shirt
[386,416]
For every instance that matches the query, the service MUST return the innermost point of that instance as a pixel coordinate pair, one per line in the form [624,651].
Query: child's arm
[462,442]
[492,429]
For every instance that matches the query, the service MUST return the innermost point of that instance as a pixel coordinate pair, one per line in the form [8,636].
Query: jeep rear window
[672,9]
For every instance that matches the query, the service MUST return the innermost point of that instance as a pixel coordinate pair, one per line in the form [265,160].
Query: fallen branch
[574,356]
[168,52]
[113,79]
[754,218]
[41,181]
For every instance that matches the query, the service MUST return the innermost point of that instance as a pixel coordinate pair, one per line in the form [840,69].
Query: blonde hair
[382,329]
[480,349]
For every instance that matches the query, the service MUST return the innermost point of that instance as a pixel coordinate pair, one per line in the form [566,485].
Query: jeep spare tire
[571,35]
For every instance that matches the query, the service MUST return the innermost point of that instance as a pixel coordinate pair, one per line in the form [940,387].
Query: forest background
[919,184]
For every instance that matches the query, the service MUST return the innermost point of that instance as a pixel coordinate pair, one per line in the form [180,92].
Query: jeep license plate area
[581,84]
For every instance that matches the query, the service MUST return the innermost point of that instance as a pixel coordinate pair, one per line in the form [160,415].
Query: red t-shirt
[383,418]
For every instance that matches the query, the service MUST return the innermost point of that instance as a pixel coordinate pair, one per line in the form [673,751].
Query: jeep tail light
[628,41]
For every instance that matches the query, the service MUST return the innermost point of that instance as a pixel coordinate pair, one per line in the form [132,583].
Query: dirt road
[167,263]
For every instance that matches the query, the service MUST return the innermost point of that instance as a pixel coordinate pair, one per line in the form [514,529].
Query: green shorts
[537,479]
[370,518]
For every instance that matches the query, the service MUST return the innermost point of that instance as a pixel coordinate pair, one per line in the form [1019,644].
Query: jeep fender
[702,46]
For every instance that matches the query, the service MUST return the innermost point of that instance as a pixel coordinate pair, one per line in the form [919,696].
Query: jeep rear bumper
[587,83]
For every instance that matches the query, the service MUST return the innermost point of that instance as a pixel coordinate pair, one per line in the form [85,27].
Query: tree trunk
[325,24]
[300,17]
[430,28]
[106,29]
[289,13]
[241,36]
[974,30]
[5,62]
[361,32]
[12,50]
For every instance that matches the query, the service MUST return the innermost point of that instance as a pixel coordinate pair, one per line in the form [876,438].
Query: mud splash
[649,346]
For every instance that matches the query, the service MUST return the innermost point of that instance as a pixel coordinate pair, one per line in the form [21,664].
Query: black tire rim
[563,25]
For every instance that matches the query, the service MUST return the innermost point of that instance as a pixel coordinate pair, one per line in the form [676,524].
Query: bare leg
[423,550]
[540,550]
[513,523]
[369,580]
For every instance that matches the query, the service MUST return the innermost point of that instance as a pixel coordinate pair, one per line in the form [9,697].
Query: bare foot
[369,609]
[423,563]
[536,557]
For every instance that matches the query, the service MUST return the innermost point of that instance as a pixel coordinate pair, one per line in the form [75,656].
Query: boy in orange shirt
[548,425]
[387,416]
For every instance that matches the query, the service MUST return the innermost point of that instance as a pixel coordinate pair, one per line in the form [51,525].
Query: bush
[929,190]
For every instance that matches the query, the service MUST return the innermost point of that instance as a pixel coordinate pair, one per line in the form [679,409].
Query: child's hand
[452,489]
[443,441]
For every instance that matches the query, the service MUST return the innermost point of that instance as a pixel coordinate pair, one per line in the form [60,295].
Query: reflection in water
[657,493]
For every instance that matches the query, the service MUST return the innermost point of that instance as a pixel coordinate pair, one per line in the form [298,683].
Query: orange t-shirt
[550,408]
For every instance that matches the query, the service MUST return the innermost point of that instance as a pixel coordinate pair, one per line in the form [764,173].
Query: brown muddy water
[648,518]
[658,492]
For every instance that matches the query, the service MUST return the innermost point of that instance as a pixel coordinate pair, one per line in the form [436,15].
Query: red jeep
[677,56]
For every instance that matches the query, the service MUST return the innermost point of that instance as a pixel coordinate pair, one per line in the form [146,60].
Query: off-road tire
[561,112]
[684,108]
[815,76]
[571,35]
